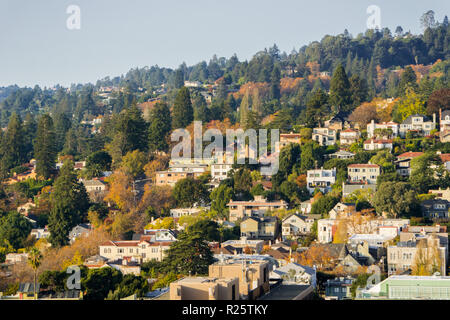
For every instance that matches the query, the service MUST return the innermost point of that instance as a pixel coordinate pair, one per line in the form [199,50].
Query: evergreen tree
[160,127]
[183,113]
[70,204]
[62,125]
[29,130]
[45,147]
[275,83]
[340,89]
[358,90]
[179,79]
[13,144]
[407,79]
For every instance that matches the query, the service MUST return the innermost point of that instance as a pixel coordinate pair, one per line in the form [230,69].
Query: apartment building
[265,228]
[321,179]
[324,136]
[253,275]
[205,288]
[219,171]
[255,245]
[257,207]
[363,173]
[140,250]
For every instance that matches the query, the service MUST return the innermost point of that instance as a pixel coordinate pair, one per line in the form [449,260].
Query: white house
[324,136]
[363,173]
[372,126]
[377,144]
[349,136]
[320,178]
[296,225]
[417,122]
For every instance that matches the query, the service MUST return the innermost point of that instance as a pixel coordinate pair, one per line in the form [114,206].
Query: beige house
[287,138]
[171,178]
[378,144]
[141,251]
[205,288]
[296,225]
[324,136]
[363,173]
[349,136]
[253,275]
[259,228]
[257,207]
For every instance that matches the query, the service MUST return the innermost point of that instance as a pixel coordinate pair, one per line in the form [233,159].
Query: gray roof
[409,119]
[445,113]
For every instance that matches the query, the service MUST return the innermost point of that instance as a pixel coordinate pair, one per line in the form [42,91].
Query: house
[338,288]
[406,287]
[325,230]
[205,288]
[403,162]
[80,230]
[14,258]
[288,138]
[441,193]
[377,144]
[444,136]
[306,206]
[180,212]
[141,250]
[418,123]
[296,225]
[265,228]
[339,121]
[435,209]
[387,130]
[324,136]
[178,172]
[321,179]
[445,158]
[444,120]
[341,209]
[94,185]
[401,257]
[257,207]
[40,233]
[253,275]
[219,171]
[26,208]
[243,243]
[363,173]
[157,235]
[349,136]
[349,188]
[341,154]
[295,273]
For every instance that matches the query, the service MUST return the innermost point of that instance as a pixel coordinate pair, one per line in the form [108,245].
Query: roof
[258,203]
[445,157]
[445,113]
[93,182]
[131,243]
[409,119]
[363,165]
[378,141]
[410,155]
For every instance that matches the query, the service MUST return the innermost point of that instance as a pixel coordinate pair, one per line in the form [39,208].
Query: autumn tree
[120,190]
[439,99]
[364,114]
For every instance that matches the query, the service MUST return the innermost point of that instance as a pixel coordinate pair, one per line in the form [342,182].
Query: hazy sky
[37,47]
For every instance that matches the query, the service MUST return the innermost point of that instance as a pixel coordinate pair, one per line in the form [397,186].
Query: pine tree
[13,144]
[275,83]
[183,113]
[29,129]
[45,147]
[340,88]
[62,125]
[407,79]
[69,202]
[159,127]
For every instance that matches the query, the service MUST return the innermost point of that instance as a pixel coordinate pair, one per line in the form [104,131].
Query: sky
[117,35]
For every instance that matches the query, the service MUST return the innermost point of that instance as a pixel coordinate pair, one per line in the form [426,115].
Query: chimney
[434,118]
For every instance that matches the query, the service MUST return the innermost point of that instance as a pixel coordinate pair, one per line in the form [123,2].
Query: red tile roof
[363,165]
[410,155]
[445,157]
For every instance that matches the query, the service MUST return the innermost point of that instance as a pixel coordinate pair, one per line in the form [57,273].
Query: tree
[340,88]
[45,147]
[323,205]
[70,203]
[395,199]
[316,108]
[160,126]
[422,176]
[208,229]
[190,254]
[99,282]
[410,104]
[275,83]
[120,190]
[183,113]
[14,229]
[358,90]
[427,20]
[407,79]
[130,285]
[189,191]
[34,259]
[98,162]
[439,99]
[179,79]
[220,197]
[363,114]
[62,125]
[13,144]
[133,163]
